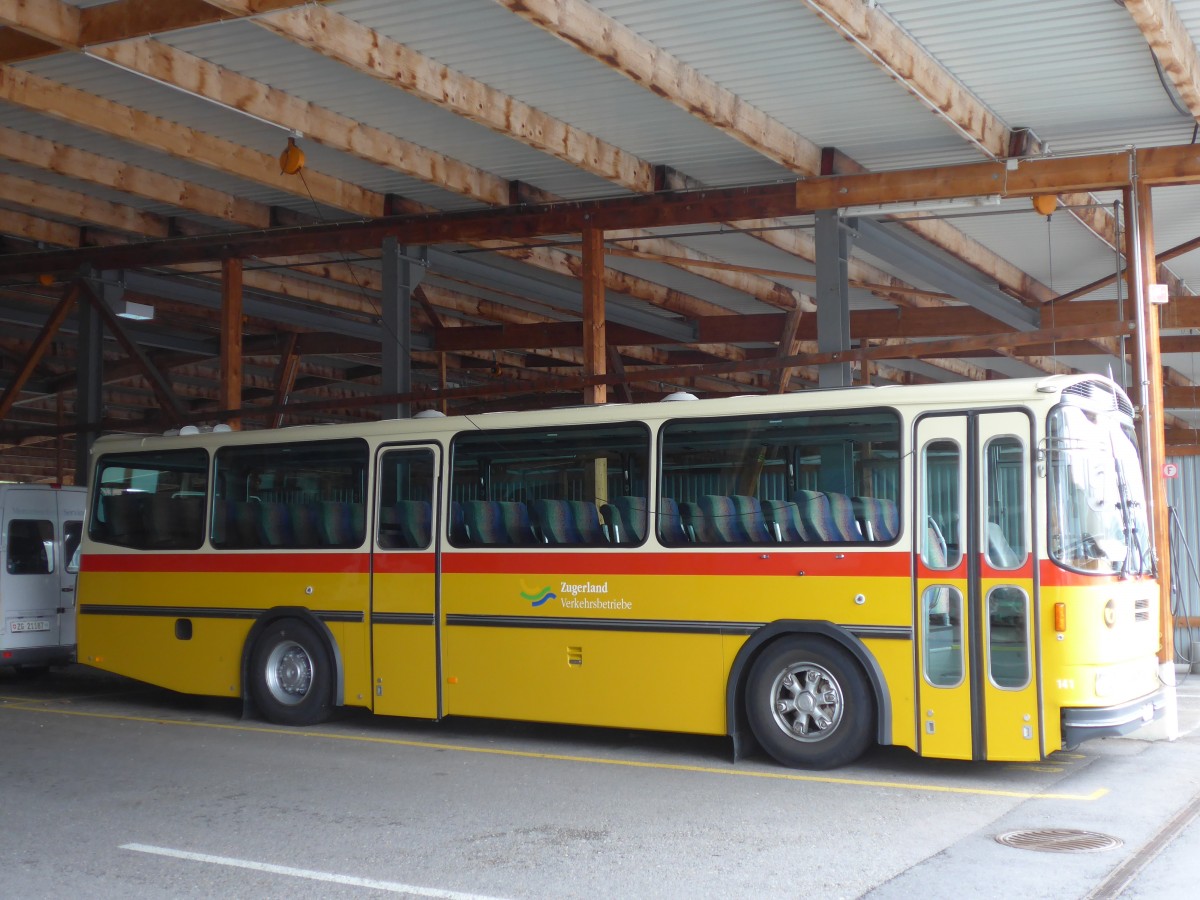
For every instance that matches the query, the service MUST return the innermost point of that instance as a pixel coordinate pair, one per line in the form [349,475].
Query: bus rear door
[405,584]
[974,588]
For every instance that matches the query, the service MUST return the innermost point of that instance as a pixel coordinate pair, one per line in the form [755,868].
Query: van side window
[29,544]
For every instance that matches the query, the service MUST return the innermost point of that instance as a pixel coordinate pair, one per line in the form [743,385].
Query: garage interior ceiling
[140,146]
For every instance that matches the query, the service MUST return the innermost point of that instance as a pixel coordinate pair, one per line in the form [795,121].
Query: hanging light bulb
[291,160]
[1045,204]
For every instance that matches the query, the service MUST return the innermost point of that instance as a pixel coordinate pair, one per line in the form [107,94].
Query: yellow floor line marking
[563,757]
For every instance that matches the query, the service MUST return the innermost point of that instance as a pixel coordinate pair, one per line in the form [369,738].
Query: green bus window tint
[290,496]
[941,546]
[1005,541]
[1008,637]
[406,480]
[826,477]
[151,501]
[569,486]
[30,547]
[942,635]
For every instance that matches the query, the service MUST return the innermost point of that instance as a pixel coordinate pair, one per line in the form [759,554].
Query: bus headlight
[1105,683]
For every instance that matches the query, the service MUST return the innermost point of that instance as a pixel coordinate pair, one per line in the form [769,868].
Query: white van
[40,529]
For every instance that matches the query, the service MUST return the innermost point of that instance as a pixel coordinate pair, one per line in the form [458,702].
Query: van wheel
[809,705]
[291,674]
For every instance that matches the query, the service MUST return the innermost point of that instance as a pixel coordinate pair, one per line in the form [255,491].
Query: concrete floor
[110,788]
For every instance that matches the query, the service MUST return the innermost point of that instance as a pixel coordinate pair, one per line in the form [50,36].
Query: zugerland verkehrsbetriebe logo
[575,594]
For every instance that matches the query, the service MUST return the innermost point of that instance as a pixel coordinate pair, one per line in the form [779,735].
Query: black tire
[809,704]
[291,674]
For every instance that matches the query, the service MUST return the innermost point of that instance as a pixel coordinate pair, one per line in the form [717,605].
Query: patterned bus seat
[626,519]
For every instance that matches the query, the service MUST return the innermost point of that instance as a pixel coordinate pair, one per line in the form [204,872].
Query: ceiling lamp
[137,312]
[1045,204]
[291,160]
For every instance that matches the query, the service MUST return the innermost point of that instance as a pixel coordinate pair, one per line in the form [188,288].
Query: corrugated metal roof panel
[1075,71]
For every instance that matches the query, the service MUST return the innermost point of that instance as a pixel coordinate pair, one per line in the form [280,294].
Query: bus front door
[974,590]
[405,584]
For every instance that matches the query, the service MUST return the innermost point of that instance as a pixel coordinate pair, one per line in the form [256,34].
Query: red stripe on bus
[893,565]
[296,562]
[682,563]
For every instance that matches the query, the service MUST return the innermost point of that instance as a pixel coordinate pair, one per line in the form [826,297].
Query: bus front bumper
[1080,724]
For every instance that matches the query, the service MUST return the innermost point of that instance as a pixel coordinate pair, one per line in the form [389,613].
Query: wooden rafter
[1172,46]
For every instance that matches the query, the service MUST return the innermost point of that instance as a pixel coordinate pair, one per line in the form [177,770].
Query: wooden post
[594,356]
[231,339]
[1141,265]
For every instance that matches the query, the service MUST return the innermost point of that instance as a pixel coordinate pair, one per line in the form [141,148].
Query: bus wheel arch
[291,668]
[816,650]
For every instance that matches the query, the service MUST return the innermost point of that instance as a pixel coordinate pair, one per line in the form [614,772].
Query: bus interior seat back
[587,521]
[123,514]
[694,523]
[879,518]
[750,512]
[275,523]
[568,521]
[783,518]
[844,523]
[937,553]
[816,515]
[342,522]
[556,521]
[458,524]
[1000,552]
[405,524]
[670,522]
[498,522]
[721,517]
[626,519]
[243,522]
[174,521]
[306,524]
[736,519]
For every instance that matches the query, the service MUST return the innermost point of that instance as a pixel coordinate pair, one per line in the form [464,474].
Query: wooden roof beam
[191,73]
[83,165]
[57,26]
[370,53]
[60,101]
[1172,46]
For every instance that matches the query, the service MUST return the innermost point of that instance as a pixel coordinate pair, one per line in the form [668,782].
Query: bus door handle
[68,590]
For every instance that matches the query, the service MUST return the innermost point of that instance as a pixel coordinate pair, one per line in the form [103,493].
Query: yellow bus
[961,569]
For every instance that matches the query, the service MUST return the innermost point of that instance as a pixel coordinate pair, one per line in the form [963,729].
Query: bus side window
[406,480]
[941,464]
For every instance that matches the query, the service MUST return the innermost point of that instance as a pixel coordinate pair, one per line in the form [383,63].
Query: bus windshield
[1097,499]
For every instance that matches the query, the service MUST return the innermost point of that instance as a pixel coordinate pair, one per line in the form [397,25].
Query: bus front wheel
[291,674]
[809,705]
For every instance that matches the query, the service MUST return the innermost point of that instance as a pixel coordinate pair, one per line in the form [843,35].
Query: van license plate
[33,625]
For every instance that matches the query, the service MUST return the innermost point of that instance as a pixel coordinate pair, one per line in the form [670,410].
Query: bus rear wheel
[809,705]
[291,674]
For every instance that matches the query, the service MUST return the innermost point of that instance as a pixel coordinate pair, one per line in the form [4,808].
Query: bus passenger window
[406,480]
[941,633]
[565,487]
[1008,637]
[941,469]
[151,501]
[1005,544]
[792,478]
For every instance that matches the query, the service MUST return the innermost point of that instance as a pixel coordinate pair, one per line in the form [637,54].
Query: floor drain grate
[1059,840]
